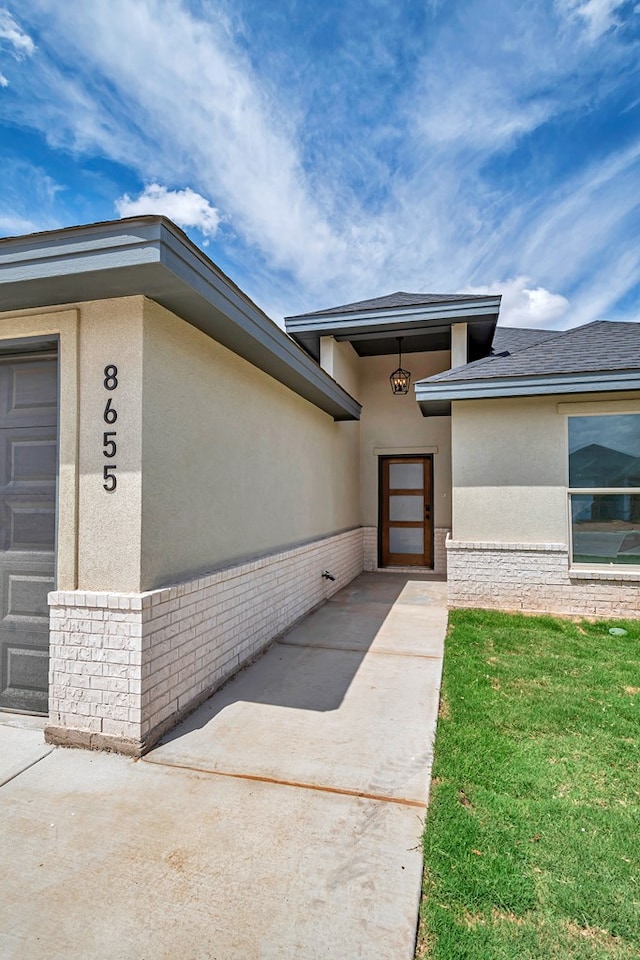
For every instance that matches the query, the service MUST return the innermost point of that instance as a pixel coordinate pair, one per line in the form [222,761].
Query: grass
[532,844]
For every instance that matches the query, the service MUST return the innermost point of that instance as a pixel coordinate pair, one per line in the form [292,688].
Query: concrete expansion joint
[24,769]
[276,781]
[369,652]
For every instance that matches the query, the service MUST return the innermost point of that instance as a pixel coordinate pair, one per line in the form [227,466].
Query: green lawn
[532,843]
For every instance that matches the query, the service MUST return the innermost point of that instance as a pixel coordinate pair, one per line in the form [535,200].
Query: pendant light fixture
[400,379]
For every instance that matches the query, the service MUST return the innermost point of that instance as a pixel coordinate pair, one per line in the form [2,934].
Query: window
[604,488]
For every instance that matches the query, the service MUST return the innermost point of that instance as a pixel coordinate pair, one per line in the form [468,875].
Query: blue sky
[328,152]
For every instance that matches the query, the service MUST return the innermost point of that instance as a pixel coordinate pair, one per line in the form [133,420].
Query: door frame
[427,459]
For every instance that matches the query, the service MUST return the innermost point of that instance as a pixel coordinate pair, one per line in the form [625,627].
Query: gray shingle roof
[599,346]
[392,301]
[511,339]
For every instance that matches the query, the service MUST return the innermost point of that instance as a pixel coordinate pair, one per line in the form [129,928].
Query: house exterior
[545,439]
[181,479]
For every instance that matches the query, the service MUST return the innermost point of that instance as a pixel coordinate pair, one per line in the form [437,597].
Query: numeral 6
[110,415]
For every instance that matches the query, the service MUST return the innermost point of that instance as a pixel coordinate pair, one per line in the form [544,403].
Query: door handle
[427,511]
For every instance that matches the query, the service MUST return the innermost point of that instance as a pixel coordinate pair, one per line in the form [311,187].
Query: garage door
[28,469]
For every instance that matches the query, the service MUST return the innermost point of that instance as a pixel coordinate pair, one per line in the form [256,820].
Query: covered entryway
[406,531]
[28,472]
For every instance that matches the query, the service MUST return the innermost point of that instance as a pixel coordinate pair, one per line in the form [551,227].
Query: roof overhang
[424,327]
[435,399]
[152,257]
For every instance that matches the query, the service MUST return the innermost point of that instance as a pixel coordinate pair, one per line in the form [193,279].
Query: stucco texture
[234,463]
[109,523]
[395,425]
[342,363]
[510,466]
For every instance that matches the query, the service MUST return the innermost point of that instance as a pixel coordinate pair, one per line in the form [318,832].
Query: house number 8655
[110,415]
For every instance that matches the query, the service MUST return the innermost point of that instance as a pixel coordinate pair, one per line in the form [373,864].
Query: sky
[327,152]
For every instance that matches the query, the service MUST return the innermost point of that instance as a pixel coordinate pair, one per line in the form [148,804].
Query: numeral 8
[110,377]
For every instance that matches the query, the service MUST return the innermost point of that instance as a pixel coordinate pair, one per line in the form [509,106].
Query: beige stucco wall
[342,363]
[234,463]
[510,465]
[394,425]
[110,523]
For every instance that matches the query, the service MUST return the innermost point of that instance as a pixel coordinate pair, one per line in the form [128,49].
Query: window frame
[606,565]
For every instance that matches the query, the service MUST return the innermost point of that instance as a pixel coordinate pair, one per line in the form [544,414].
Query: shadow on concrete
[312,666]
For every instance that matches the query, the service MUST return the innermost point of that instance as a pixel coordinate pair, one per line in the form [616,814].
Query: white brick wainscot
[125,668]
[537,578]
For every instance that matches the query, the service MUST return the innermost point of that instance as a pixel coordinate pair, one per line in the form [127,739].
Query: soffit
[150,256]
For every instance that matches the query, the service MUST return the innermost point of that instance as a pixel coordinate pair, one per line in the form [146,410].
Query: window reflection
[604,454]
[606,528]
[604,451]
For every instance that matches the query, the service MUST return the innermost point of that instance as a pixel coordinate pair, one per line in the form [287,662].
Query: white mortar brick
[121,664]
[536,578]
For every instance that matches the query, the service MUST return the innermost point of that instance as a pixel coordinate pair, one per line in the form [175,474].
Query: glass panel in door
[406,535]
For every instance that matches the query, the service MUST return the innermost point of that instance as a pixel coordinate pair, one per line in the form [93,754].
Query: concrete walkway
[281,820]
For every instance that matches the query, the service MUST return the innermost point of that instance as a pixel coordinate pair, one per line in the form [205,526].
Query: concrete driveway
[281,820]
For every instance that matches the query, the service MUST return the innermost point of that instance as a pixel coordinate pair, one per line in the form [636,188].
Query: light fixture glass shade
[400,379]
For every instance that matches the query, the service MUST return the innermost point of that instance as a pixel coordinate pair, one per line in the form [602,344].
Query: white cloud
[596,16]
[175,97]
[28,198]
[185,207]
[19,41]
[597,296]
[14,39]
[524,305]
[13,225]
[583,236]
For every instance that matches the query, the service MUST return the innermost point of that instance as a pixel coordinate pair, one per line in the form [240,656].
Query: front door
[28,470]
[405,511]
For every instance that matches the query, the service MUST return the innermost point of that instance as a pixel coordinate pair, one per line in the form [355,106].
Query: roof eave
[432,397]
[449,310]
[152,257]
[397,321]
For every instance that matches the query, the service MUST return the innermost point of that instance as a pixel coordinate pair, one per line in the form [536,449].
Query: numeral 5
[110,478]
[109,445]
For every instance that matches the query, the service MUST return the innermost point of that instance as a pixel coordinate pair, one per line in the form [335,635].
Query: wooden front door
[406,532]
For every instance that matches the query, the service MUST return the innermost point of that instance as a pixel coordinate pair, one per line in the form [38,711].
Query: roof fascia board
[450,311]
[528,386]
[98,250]
[153,258]
[271,349]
